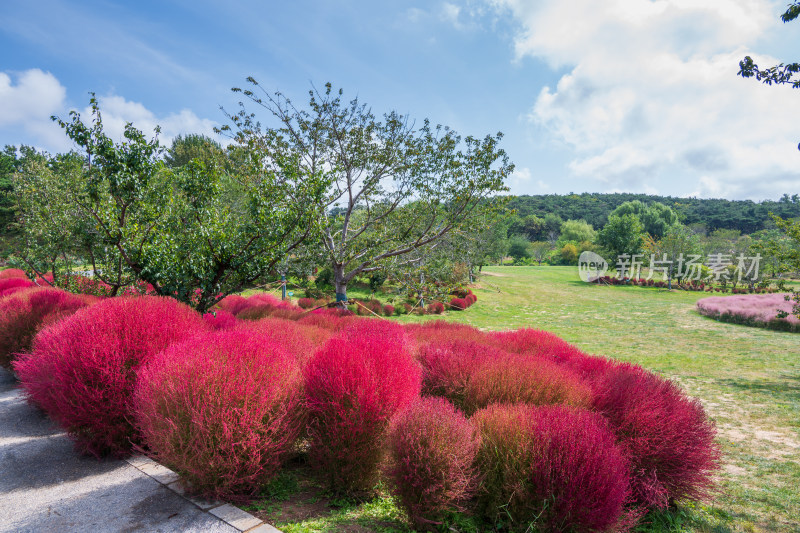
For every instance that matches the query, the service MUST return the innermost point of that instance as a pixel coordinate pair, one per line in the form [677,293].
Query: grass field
[747,378]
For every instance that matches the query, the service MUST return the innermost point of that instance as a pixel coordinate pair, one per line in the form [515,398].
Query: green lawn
[748,379]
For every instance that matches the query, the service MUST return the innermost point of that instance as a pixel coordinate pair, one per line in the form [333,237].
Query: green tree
[622,235]
[195,233]
[518,247]
[656,218]
[678,241]
[539,250]
[577,230]
[186,148]
[393,188]
[779,74]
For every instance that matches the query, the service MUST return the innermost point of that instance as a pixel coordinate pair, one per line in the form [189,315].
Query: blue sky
[619,95]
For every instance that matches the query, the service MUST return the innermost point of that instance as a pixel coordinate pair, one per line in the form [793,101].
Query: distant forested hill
[744,215]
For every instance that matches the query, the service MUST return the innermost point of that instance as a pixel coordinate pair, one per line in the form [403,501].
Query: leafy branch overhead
[778,74]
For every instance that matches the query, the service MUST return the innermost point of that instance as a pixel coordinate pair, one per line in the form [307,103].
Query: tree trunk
[340,285]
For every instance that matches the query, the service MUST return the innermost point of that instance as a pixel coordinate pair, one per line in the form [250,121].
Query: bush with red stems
[300,340]
[306,303]
[470,299]
[26,312]
[13,273]
[354,384]
[331,319]
[220,319]
[550,469]
[82,369]
[448,366]
[233,303]
[667,435]
[11,285]
[535,342]
[514,379]
[223,410]
[435,308]
[458,304]
[432,449]
[388,310]
[441,330]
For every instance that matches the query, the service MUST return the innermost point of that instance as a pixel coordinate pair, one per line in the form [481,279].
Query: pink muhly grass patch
[760,309]
[223,410]
[432,449]
[515,379]
[553,468]
[666,434]
[354,384]
[82,370]
[448,366]
[24,314]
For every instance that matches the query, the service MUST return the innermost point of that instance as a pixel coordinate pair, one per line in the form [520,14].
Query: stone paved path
[46,487]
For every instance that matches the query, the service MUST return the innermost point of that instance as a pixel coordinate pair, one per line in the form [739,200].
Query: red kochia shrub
[435,308]
[388,310]
[354,384]
[515,379]
[220,319]
[534,342]
[432,449]
[667,435]
[10,285]
[550,469]
[222,409]
[82,370]
[12,273]
[306,303]
[299,339]
[448,366]
[470,299]
[441,330]
[23,314]
[458,304]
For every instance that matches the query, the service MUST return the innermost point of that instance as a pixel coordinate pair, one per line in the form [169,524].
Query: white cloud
[29,99]
[651,99]
[116,111]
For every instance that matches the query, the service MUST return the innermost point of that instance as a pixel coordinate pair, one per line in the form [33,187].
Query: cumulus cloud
[30,98]
[650,99]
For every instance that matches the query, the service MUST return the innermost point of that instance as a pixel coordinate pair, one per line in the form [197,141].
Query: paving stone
[160,473]
[264,528]
[234,516]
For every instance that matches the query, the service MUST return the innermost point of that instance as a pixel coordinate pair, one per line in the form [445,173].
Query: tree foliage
[622,235]
[392,187]
[779,74]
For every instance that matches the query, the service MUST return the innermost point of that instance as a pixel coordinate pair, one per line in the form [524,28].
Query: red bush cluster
[12,273]
[223,410]
[220,319]
[432,448]
[550,469]
[435,308]
[458,304]
[388,310]
[82,370]
[354,384]
[24,313]
[12,285]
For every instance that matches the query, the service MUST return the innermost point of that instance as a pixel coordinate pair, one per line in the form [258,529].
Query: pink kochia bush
[82,370]
[24,313]
[432,448]
[223,410]
[220,319]
[751,310]
[550,468]
[12,273]
[667,435]
[354,384]
[12,285]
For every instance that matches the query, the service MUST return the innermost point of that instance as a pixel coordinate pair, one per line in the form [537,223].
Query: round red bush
[223,410]
[354,384]
[300,340]
[550,469]
[12,273]
[458,304]
[82,370]
[220,319]
[306,303]
[667,435]
[441,330]
[448,366]
[515,379]
[23,314]
[432,449]
[435,308]
[534,342]
[470,299]
[388,310]
[10,285]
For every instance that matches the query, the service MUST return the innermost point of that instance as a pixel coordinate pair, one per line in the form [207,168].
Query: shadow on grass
[786,390]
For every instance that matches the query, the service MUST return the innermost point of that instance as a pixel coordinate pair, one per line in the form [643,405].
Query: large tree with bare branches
[393,187]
